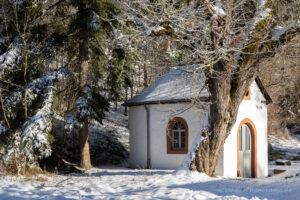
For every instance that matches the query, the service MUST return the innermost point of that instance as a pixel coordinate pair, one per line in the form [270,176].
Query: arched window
[177,136]
[247,96]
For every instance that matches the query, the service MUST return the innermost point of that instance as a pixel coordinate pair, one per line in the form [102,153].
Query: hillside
[281,78]
[109,143]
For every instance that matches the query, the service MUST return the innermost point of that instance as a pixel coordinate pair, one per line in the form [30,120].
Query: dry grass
[37,175]
[39,178]
[29,174]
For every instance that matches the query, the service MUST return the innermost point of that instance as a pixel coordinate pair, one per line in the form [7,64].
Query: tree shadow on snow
[12,194]
[125,172]
[106,147]
[238,187]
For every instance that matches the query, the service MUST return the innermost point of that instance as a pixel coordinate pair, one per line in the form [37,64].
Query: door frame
[253,147]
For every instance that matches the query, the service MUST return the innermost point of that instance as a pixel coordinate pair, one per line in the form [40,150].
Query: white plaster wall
[138,137]
[160,115]
[255,110]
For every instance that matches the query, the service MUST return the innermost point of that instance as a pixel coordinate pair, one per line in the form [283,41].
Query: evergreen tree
[27,46]
[119,74]
[88,24]
[36,86]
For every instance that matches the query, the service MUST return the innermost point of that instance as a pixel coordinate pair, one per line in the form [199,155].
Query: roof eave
[169,101]
[263,90]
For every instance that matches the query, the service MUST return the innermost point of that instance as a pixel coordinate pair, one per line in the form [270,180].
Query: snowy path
[123,183]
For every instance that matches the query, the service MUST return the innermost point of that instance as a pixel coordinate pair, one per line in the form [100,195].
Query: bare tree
[228,39]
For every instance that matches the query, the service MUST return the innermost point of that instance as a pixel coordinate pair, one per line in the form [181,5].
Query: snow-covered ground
[110,182]
[124,183]
[289,148]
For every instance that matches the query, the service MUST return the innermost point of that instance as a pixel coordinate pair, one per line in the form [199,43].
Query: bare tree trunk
[131,88]
[219,121]
[26,90]
[226,96]
[3,110]
[24,166]
[126,97]
[139,76]
[85,161]
[145,72]
[219,113]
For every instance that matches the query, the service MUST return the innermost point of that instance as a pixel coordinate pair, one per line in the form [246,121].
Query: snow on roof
[180,84]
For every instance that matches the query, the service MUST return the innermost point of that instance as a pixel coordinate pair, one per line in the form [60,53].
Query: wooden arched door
[247,149]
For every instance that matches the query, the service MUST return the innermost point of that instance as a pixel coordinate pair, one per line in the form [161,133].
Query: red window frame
[170,125]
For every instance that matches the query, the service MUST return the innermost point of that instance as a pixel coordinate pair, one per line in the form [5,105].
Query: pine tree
[36,36]
[88,25]
[27,92]
[118,77]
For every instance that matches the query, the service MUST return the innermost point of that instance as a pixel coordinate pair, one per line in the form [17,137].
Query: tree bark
[85,161]
[226,96]
[126,98]
[25,86]
[227,86]
[145,71]
[3,110]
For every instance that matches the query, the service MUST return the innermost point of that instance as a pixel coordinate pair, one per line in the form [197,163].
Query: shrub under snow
[36,132]
[31,142]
